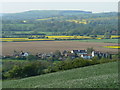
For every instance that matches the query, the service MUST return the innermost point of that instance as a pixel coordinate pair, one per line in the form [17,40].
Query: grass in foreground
[97,76]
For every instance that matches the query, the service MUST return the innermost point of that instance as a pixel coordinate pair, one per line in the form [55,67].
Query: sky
[94,6]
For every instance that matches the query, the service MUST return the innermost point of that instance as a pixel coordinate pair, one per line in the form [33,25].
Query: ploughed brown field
[51,46]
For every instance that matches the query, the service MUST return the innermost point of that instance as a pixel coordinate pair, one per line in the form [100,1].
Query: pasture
[51,46]
[100,40]
[96,76]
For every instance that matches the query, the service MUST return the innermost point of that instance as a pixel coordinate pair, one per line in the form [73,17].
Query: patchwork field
[96,76]
[50,46]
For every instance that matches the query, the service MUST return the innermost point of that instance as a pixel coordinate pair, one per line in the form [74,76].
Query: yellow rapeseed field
[115,36]
[48,38]
[53,38]
[21,39]
[78,21]
[67,37]
[117,47]
[47,18]
[13,39]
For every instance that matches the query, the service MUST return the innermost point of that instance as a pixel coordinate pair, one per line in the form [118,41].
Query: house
[64,52]
[100,54]
[79,52]
[72,55]
[39,55]
[44,55]
[25,54]
[21,53]
[86,56]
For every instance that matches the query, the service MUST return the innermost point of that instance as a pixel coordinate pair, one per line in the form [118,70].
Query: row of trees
[30,69]
[70,27]
[37,67]
[76,63]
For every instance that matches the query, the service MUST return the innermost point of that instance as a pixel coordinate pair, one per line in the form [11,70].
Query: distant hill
[97,76]
[59,22]
[33,14]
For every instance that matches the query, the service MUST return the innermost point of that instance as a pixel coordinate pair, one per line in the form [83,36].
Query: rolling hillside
[59,22]
[97,76]
[33,14]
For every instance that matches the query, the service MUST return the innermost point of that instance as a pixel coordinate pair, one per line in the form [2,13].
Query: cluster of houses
[79,53]
[84,54]
[21,54]
[65,54]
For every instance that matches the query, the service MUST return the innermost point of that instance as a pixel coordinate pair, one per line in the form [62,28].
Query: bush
[76,63]
[15,72]
[104,60]
[31,57]
[69,64]
[30,69]
[95,60]
[57,53]
[89,50]
[20,58]
[80,62]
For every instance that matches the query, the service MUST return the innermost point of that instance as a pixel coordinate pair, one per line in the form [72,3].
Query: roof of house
[70,54]
[86,54]
[79,51]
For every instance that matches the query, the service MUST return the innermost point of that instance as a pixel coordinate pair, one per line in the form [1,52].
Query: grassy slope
[97,76]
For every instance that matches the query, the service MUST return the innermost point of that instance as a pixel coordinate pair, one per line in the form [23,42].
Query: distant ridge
[76,11]
[33,14]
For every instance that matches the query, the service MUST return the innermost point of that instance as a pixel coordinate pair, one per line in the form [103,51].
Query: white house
[86,56]
[79,52]
[25,54]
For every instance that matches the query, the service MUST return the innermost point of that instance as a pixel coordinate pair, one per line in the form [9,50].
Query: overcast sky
[14,7]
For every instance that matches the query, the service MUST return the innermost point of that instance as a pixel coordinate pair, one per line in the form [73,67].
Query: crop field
[69,37]
[51,46]
[48,38]
[97,76]
[22,39]
[78,21]
[117,47]
[100,40]
[43,39]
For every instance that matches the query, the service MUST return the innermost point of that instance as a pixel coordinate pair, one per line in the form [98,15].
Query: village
[85,54]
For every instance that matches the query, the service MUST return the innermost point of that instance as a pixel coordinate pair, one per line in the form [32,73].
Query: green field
[29,32]
[100,40]
[97,76]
